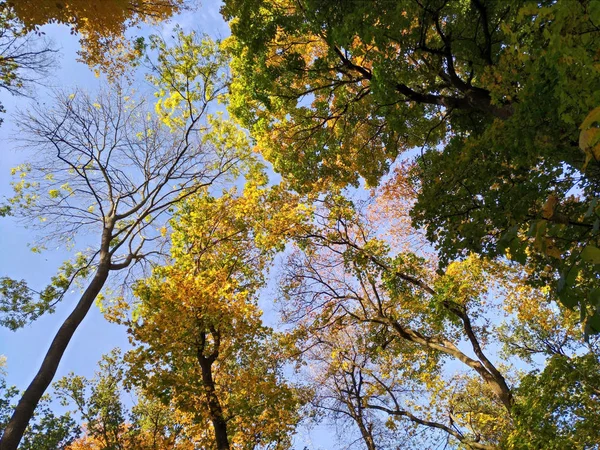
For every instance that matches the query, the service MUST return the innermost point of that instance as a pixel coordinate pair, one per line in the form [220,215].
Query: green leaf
[567,295]
[540,233]
[594,322]
[508,237]
[561,283]
[592,207]
[592,325]
[594,297]
[591,254]
[572,275]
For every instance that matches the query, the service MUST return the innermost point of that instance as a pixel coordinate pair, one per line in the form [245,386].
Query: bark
[215,410]
[214,406]
[366,435]
[31,397]
[499,385]
[494,379]
[469,443]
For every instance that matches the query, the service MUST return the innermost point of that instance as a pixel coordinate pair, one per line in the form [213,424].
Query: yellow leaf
[592,117]
[549,206]
[551,250]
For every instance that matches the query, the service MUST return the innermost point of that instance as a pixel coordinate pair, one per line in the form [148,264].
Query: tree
[112,167]
[24,60]
[393,345]
[100,25]
[557,401]
[108,423]
[492,92]
[199,338]
[47,431]
[341,368]
[568,387]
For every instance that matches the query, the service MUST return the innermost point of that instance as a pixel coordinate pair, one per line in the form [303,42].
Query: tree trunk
[366,433]
[31,397]
[214,407]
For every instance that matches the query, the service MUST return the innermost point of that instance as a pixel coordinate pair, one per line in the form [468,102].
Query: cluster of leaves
[393,345]
[494,94]
[46,429]
[21,305]
[18,305]
[409,346]
[26,58]
[101,26]
[109,423]
[557,408]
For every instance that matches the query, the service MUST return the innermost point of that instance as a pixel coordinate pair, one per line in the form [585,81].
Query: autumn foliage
[100,25]
[422,273]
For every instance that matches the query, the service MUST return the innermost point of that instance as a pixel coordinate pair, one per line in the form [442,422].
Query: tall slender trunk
[31,397]
[214,406]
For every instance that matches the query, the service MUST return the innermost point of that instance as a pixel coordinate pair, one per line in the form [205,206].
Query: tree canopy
[100,26]
[395,346]
[422,273]
[114,167]
[499,96]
